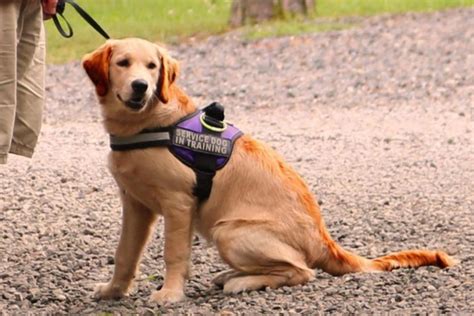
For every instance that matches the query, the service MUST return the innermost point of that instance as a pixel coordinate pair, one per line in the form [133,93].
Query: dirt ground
[377,118]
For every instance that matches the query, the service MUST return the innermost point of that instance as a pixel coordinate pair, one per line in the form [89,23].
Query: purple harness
[190,139]
[202,140]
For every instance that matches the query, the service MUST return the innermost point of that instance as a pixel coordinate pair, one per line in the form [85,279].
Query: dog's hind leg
[258,256]
[224,276]
[283,276]
[137,224]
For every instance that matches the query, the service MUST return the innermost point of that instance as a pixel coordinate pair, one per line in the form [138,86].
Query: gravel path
[378,119]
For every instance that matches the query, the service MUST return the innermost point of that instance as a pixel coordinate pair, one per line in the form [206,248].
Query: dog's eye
[123,63]
[151,65]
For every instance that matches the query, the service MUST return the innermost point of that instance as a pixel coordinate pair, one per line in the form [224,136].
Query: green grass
[156,20]
[334,9]
[175,20]
[338,8]
[152,277]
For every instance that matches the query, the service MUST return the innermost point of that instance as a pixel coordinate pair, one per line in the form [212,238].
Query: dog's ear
[168,72]
[96,65]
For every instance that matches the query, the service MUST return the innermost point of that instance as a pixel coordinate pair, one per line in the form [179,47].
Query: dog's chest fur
[151,175]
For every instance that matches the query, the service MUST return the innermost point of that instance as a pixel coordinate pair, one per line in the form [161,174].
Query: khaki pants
[22,75]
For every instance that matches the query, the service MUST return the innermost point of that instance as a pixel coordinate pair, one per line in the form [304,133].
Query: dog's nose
[139,86]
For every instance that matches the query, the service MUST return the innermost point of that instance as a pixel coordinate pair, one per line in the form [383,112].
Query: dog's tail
[338,261]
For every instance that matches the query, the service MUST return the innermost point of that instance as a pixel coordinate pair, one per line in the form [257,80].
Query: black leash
[60,10]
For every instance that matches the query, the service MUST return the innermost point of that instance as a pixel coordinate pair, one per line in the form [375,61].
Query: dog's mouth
[134,103]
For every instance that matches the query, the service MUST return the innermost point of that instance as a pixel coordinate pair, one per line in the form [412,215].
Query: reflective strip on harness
[125,143]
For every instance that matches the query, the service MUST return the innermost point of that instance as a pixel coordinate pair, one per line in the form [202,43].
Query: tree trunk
[255,11]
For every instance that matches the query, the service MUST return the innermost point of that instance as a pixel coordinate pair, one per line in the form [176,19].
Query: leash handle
[82,13]
[65,34]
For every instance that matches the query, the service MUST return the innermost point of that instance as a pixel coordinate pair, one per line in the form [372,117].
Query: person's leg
[30,79]
[9,12]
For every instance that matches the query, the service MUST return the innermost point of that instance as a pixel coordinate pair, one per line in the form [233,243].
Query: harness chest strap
[200,141]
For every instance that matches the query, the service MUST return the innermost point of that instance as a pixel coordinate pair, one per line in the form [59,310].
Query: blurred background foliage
[177,20]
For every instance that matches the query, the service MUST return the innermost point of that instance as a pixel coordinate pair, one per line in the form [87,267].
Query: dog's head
[131,73]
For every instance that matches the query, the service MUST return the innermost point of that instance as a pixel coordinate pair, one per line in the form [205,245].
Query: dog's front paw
[165,296]
[107,291]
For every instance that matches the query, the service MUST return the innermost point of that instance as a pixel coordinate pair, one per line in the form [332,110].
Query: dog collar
[202,140]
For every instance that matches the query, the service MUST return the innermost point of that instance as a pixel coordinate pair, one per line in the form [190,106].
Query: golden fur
[260,215]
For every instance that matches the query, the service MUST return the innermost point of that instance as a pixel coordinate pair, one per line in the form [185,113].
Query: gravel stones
[377,119]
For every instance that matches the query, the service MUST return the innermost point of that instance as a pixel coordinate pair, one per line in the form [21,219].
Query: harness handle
[61,6]
[213,117]
[211,124]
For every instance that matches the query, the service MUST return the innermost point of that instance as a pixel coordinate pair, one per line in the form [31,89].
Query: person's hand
[49,8]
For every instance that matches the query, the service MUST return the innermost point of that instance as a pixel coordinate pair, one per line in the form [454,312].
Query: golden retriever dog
[261,216]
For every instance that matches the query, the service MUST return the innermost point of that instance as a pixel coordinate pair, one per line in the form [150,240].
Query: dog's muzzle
[135,103]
